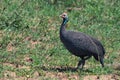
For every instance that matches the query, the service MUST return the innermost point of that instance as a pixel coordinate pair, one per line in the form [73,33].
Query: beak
[61,15]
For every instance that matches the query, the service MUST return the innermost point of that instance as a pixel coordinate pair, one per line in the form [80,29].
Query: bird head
[64,15]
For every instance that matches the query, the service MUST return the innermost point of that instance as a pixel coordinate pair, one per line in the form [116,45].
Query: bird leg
[82,62]
[87,57]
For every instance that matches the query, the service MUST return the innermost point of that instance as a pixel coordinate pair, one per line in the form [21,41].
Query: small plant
[30,29]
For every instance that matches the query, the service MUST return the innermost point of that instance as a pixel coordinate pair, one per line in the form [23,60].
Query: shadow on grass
[64,69]
[59,69]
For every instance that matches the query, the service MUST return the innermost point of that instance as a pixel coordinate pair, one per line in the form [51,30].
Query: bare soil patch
[8,75]
[102,77]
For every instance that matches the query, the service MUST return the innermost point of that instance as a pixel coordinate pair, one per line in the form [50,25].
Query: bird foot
[78,68]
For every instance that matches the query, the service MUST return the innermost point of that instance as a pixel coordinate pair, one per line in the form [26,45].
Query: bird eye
[64,15]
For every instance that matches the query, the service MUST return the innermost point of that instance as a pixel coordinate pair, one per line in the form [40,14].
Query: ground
[30,47]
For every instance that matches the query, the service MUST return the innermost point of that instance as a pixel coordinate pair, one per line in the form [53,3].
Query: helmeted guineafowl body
[80,44]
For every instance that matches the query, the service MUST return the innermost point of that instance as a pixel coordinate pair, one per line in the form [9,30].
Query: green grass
[29,35]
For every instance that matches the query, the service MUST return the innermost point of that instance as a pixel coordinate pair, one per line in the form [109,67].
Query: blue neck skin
[62,29]
[65,20]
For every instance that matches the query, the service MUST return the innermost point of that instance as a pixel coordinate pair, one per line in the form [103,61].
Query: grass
[29,36]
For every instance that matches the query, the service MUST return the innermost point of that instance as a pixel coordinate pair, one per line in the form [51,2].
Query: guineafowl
[80,44]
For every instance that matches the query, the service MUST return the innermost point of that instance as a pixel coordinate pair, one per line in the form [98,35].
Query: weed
[29,36]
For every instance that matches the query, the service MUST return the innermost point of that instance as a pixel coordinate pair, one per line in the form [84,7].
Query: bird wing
[99,44]
[84,42]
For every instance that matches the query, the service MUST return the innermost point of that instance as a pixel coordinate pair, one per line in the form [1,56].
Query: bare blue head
[65,18]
